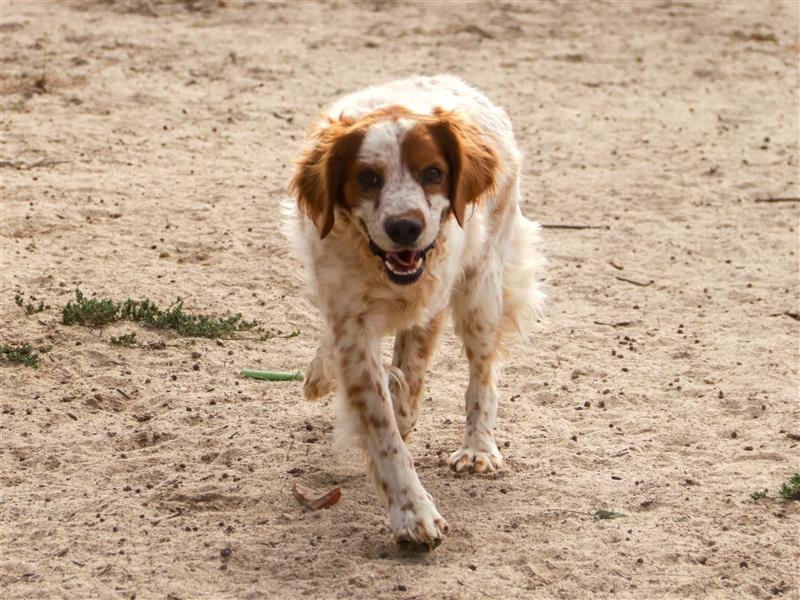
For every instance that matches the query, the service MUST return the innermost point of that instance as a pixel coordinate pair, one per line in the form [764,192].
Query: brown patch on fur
[421,150]
[353,193]
[328,169]
[356,390]
[472,162]
[358,404]
[470,273]
[378,423]
[321,171]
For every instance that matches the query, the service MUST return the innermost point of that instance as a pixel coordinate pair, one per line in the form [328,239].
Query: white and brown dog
[408,207]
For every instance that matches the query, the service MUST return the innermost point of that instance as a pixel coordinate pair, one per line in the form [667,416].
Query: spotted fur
[481,260]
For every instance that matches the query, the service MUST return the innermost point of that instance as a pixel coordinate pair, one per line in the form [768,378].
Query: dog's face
[399,175]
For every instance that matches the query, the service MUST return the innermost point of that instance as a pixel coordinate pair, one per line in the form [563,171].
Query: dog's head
[400,175]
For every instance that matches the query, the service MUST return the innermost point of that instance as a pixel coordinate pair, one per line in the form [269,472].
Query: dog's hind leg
[412,351]
[320,379]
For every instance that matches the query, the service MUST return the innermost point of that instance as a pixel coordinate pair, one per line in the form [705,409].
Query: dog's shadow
[381,547]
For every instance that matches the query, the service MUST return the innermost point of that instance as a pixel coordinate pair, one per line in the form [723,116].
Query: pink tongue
[406,258]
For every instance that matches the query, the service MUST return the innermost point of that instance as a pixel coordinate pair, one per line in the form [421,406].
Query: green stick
[273,375]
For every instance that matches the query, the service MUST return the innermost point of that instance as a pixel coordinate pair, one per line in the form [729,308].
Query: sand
[146,147]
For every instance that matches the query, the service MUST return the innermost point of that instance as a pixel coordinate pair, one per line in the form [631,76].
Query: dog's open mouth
[403,267]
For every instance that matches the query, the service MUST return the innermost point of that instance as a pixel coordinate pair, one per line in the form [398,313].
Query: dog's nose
[404,230]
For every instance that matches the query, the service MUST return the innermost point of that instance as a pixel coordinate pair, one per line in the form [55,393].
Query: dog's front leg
[367,405]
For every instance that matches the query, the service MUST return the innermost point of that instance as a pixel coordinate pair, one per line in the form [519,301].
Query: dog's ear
[473,162]
[321,171]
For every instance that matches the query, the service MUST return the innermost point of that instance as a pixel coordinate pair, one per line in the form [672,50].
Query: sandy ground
[160,473]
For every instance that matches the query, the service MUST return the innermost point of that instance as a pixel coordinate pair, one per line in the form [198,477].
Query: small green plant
[18,106]
[23,353]
[98,313]
[126,339]
[756,496]
[607,514]
[791,490]
[89,312]
[29,308]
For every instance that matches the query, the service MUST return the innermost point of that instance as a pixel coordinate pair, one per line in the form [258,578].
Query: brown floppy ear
[473,162]
[321,171]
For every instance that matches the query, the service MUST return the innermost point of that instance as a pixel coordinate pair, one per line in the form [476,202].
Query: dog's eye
[368,179]
[431,175]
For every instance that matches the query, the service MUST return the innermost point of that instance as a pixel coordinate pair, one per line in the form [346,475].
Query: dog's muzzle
[403,267]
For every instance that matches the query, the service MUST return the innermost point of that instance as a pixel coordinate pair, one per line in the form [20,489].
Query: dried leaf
[305,496]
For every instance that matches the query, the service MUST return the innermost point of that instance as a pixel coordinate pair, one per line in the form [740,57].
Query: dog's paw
[319,380]
[476,461]
[418,522]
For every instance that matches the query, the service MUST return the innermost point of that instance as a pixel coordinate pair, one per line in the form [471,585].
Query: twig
[787,313]
[288,449]
[123,394]
[633,281]
[564,510]
[617,324]
[287,118]
[616,266]
[779,199]
[560,226]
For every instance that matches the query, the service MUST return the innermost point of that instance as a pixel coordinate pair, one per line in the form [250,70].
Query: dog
[407,209]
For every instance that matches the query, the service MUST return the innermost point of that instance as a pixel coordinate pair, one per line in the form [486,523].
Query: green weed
[23,353]
[98,313]
[89,312]
[791,490]
[756,496]
[29,308]
[127,339]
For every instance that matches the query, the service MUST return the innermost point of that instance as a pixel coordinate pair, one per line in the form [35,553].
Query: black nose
[403,231]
